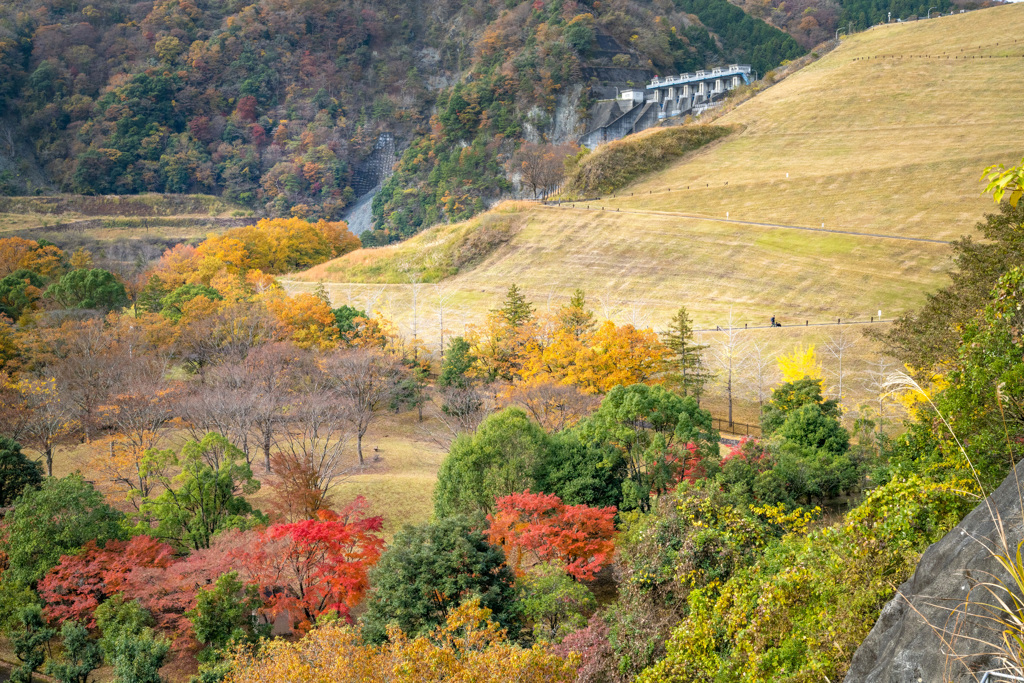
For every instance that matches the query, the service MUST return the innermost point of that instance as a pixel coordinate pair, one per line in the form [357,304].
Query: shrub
[619,163]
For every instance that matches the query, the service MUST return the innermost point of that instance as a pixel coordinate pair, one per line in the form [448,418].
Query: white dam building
[637,109]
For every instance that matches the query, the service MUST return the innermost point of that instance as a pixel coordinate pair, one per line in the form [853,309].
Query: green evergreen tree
[457,362]
[17,472]
[86,289]
[430,569]
[15,296]
[119,617]
[575,318]
[223,615]
[320,292]
[689,373]
[28,641]
[344,318]
[516,310]
[137,657]
[82,655]
[152,294]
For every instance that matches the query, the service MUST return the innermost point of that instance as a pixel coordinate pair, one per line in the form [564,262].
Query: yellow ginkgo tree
[801,363]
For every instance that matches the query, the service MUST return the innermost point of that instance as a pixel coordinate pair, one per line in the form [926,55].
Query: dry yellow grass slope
[886,134]
[891,146]
[71,218]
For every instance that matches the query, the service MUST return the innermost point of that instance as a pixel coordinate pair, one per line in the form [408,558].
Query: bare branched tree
[138,410]
[877,381]
[541,167]
[316,437]
[271,372]
[459,410]
[730,352]
[553,405]
[225,404]
[443,298]
[838,346]
[366,380]
[764,370]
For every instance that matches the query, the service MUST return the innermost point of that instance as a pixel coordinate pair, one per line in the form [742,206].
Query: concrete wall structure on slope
[905,646]
[635,109]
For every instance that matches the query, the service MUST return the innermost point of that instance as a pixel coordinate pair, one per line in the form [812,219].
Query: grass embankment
[75,220]
[885,146]
[432,256]
[398,479]
[888,134]
[619,163]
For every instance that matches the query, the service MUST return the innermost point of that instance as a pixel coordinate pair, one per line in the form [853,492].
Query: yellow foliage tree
[618,355]
[799,364]
[82,258]
[306,317]
[913,399]
[277,245]
[469,647]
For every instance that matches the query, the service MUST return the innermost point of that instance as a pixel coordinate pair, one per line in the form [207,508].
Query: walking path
[739,222]
[806,324]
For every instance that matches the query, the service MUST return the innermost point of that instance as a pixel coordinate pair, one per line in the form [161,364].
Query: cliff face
[942,601]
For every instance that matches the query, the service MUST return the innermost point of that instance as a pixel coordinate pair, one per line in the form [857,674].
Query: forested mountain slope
[275,104]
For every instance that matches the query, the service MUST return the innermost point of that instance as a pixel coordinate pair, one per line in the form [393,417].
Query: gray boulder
[936,629]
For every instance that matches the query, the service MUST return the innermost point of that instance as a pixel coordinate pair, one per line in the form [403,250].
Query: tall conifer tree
[686,362]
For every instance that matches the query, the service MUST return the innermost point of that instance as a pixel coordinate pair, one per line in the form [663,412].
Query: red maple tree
[79,583]
[310,567]
[168,592]
[540,525]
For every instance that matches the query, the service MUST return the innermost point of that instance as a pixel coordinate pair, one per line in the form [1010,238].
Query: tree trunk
[359,447]
[266,449]
[729,391]
[48,454]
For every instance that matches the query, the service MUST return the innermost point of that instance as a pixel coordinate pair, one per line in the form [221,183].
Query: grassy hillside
[146,222]
[887,134]
[885,147]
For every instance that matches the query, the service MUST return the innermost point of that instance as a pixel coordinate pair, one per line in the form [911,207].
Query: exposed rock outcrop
[942,601]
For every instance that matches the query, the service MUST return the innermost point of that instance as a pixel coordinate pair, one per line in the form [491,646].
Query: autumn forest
[216,466]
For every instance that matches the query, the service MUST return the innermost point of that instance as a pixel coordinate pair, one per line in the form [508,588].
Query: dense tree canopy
[54,520]
[429,570]
[497,460]
[205,498]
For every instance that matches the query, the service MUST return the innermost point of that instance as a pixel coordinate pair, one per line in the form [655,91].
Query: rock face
[942,601]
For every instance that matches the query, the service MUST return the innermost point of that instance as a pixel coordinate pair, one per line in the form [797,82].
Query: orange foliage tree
[307,318]
[540,525]
[595,360]
[468,647]
[17,253]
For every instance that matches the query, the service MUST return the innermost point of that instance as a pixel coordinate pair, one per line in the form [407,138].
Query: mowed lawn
[402,458]
[641,268]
